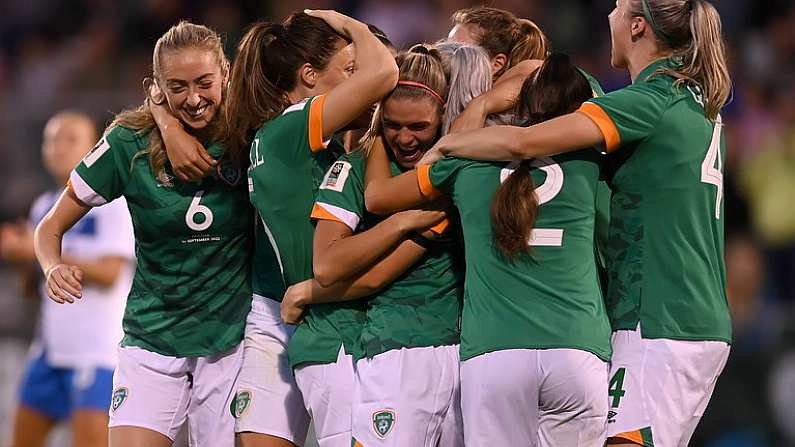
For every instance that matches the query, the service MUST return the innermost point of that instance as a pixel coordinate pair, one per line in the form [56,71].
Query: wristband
[420,240]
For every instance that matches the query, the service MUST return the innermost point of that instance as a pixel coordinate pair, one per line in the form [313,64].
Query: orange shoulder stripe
[604,123]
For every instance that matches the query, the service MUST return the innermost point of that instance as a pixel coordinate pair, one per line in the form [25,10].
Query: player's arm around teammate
[186,312]
[293,85]
[667,119]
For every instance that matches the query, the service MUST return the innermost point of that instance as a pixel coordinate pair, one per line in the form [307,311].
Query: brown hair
[558,88]
[692,29]
[421,64]
[265,70]
[501,32]
[180,36]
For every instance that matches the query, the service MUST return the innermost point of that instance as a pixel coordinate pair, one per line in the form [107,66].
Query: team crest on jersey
[240,403]
[383,422]
[119,397]
[229,173]
[336,176]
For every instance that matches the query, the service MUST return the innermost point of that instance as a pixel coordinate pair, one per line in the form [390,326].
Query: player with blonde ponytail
[666,293]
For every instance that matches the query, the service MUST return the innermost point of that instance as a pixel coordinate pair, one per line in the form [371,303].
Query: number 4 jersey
[665,245]
[191,292]
[549,299]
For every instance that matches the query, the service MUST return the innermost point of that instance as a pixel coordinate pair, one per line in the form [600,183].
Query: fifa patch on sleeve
[336,176]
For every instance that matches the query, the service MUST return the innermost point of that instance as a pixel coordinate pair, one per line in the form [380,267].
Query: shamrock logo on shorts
[383,421]
[119,396]
[240,403]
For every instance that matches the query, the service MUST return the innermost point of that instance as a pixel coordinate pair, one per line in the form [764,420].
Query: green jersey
[549,298]
[192,287]
[423,306]
[665,248]
[288,162]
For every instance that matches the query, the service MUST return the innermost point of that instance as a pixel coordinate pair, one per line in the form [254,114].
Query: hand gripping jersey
[665,248]
[288,161]
[423,306]
[192,287]
[549,299]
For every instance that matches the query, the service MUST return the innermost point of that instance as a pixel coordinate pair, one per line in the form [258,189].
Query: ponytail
[266,70]
[513,212]
[529,43]
[558,88]
[692,29]
[253,98]
[470,76]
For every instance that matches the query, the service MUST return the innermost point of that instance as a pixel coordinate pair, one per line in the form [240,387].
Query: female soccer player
[666,291]
[67,379]
[507,39]
[534,332]
[293,86]
[407,385]
[186,312]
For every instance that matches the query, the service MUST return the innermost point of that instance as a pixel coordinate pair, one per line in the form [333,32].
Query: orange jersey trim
[633,436]
[441,226]
[604,123]
[316,123]
[320,213]
[424,181]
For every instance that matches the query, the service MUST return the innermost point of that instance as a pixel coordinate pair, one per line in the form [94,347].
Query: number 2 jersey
[665,245]
[192,286]
[548,299]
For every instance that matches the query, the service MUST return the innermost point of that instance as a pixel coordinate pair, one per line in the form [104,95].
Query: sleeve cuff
[604,123]
[316,142]
[83,191]
[424,181]
[324,211]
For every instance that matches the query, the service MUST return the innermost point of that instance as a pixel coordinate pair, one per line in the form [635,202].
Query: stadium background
[92,54]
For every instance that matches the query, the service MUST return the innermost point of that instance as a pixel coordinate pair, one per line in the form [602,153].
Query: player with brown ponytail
[667,280]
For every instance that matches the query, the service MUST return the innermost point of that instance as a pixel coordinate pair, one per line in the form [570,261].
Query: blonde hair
[501,32]
[181,36]
[470,76]
[421,64]
[692,30]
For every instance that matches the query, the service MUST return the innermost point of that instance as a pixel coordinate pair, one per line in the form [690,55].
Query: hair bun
[420,49]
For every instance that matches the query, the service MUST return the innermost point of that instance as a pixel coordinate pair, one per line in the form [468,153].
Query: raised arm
[63,280]
[376,73]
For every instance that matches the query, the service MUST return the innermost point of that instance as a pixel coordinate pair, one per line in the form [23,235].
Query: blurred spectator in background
[69,372]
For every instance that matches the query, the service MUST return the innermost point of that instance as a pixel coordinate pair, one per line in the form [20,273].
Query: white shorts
[659,388]
[160,392]
[328,392]
[534,397]
[409,397]
[268,400]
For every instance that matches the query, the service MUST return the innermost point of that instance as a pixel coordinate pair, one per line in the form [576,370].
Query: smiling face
[411,125]
[192,81]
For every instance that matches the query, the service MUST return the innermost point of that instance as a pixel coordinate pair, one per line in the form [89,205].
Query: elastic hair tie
[437,96]
[647,14]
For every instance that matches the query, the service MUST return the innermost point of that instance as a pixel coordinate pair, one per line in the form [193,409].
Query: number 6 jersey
[191,292]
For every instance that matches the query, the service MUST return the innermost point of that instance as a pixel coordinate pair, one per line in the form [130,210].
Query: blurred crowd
[91,55]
